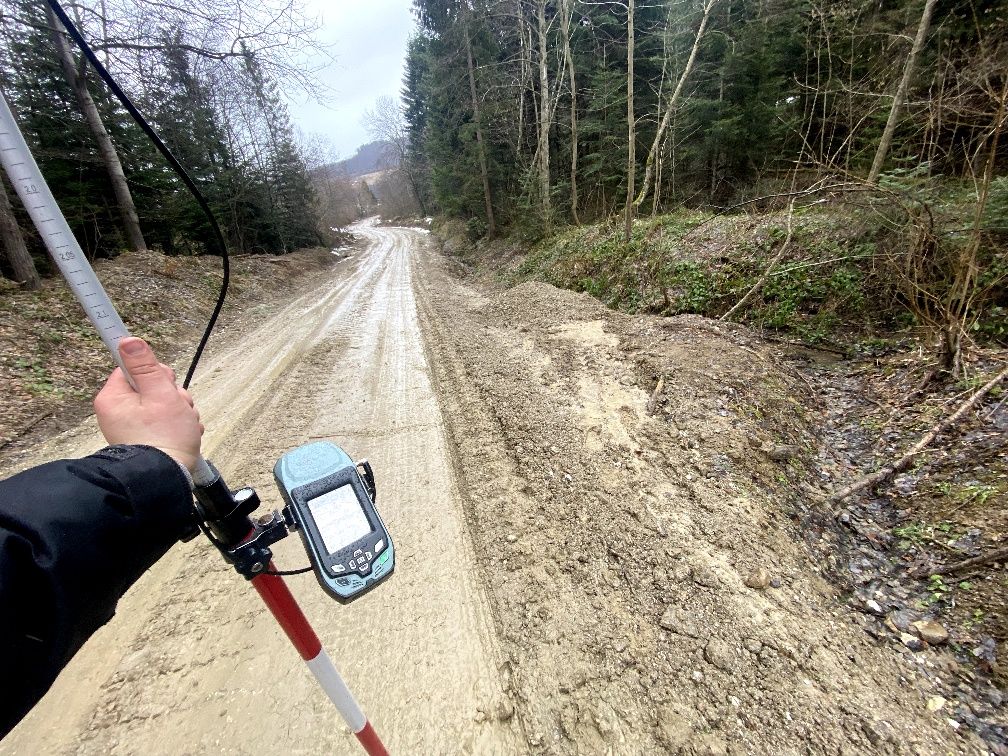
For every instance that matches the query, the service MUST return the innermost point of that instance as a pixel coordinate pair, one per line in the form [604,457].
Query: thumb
[143,367]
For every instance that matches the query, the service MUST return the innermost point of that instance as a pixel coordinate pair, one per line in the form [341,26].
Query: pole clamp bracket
[252,557]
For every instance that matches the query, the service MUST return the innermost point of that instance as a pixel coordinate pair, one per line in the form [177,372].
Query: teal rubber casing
[310,471]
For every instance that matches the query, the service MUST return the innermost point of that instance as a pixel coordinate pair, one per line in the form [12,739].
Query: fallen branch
[766,274]
[998,555]
[820,347]
[904,462]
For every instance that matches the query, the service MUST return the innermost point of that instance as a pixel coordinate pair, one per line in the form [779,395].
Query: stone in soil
[783,453]
[718,654]
[758,579]
[874,607]
[935,703]
[899,620]
[930,631]
[679,623]
[911,641]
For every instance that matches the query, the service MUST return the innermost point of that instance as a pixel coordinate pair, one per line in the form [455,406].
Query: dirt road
[192,663]
[587,565]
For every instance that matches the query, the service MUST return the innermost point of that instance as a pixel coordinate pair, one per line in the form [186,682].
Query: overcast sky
[368,39]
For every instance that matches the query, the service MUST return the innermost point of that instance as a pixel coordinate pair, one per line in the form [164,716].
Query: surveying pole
[224,514]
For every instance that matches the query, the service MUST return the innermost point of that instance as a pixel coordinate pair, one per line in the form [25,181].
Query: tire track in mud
[193,663]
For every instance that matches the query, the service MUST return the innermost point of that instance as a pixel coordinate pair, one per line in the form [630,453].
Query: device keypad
[361,560]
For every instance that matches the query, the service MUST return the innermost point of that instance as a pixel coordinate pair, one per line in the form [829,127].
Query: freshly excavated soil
[646,576]
[575,574]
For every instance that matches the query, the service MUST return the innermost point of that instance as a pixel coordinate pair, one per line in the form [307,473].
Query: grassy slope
[52,361]
[834,284]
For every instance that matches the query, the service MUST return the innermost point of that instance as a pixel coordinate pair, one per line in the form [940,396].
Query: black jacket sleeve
[74,536]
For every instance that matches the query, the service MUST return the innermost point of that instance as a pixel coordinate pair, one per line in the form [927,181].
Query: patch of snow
[368,222]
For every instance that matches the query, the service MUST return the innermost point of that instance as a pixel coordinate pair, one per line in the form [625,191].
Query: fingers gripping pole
[281,603]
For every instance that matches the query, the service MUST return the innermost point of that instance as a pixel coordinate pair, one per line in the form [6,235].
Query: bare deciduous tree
[481,155]
[901,91]
[565,19]
[628,211]
[545,114]
[671,104]
[216,32]
[386,122]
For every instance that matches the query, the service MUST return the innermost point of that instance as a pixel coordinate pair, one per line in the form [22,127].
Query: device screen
[339,518]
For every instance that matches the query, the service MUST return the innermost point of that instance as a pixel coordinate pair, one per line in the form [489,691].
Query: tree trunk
[14,248]
[658,110]
[670,106]
[544,113]
[657,180]
[631,159]
[568,12]
[524,75]
[107,151]
[491,226]
[901,91]
[415,189]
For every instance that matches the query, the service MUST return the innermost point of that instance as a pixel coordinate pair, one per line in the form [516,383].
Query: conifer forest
[875,127]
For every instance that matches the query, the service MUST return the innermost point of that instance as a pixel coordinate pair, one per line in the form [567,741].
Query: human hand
[157,413]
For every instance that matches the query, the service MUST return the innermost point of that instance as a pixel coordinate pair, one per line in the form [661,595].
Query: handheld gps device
[331,501]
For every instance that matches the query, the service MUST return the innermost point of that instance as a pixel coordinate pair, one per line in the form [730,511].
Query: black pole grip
[226,512]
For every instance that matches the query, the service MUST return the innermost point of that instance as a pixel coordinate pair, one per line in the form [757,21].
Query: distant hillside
[371,157]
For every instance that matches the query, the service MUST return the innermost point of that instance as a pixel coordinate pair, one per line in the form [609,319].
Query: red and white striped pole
[282,604]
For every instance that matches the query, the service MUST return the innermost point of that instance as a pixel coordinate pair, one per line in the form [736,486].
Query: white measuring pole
[31,187]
